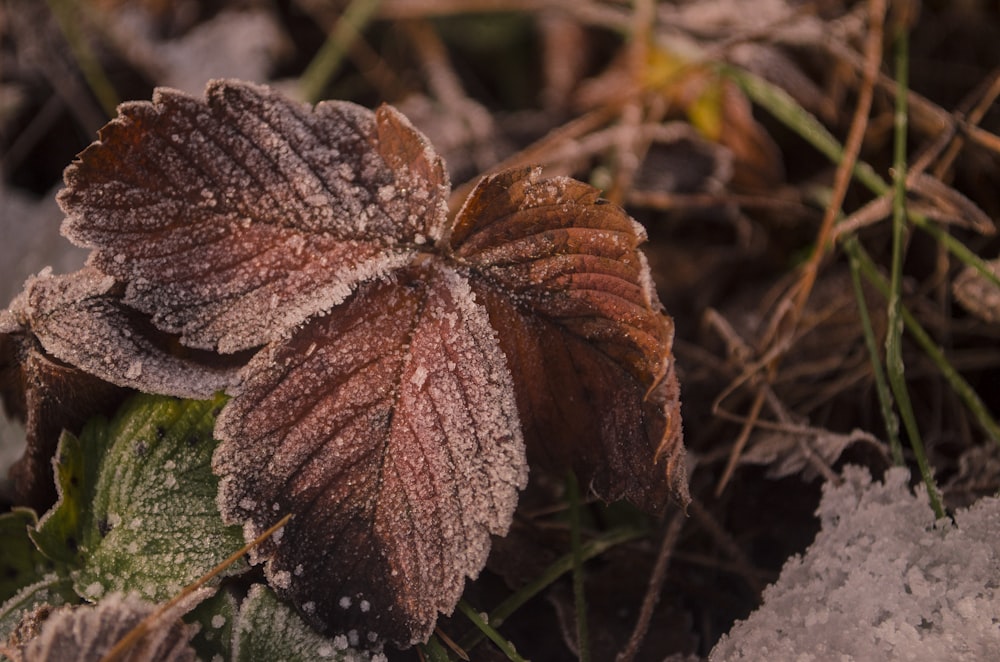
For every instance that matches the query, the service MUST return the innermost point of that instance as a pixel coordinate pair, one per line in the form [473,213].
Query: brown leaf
[400,362]
[87,633]
[559,271]
[69,349]
[48,396]
[398,450]
[80,319]
[234,219]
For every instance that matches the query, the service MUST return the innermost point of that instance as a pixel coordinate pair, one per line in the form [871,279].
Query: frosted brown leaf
[398,365]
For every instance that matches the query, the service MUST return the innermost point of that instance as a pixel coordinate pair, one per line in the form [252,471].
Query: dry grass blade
[140,630]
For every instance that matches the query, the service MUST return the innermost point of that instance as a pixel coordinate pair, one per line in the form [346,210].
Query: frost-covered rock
[882,580]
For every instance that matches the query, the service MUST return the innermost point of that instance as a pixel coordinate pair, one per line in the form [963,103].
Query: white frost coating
[419,376]
[465,424]
[281,579]
[87,632]
[218,621]
[882,580]
[345,602]
[646,283]
[267,629]
[79,321]
[316,301]
[386,193]
[94,590]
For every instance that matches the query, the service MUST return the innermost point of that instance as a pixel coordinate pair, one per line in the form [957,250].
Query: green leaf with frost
[50,591]
[268,629]
[21,563]
[137,509]
[216,616]
[57,535]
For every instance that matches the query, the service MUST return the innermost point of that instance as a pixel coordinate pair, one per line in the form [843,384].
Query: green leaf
[21,563]
[434,650]
[57,535]
[137,509]
[216,617]
[51,591]
[268,629]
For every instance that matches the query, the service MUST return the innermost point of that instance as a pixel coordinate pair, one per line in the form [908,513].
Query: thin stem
[505,646]
[67,16]
[894,332]
[851,246]
[557,569]
[579,594]
[851,150]
[139,631]
[652,597]
[962,388]
[326,62]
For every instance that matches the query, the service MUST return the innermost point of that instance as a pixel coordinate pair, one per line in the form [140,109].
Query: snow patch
[882,580]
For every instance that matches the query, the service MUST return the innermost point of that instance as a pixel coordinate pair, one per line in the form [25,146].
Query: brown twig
[852,148]
[654,588]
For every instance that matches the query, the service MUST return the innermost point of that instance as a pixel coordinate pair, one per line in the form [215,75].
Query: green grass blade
[962,388]
[434,650]
[505,646]
[956,247]
[894,332]
[327,61]
[785,109]
[881,385]
[66,13]
[557,569]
